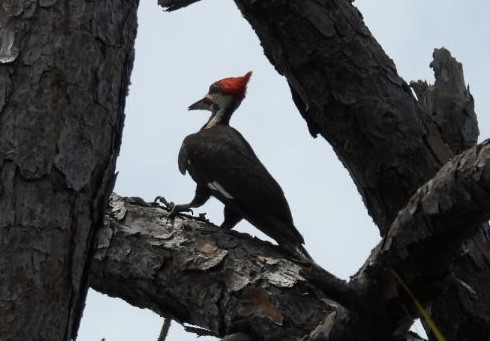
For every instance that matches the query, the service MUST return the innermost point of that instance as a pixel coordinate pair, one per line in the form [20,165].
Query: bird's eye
[208,101]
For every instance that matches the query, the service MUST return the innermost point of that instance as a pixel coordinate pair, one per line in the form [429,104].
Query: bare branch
[172,5]
[194,272]
[165,328]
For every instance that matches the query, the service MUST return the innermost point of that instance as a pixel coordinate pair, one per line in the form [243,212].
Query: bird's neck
[220,116]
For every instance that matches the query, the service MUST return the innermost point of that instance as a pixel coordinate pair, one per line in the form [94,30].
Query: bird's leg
[202,195]
[232,217]
[168,205]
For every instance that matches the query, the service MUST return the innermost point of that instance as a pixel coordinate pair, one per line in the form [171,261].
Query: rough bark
[383,135]
[196,273]
[64,72]
[425,239]
[451,105]
[349,92]
[228,282]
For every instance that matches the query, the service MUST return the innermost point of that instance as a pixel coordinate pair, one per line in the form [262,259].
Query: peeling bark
[64,71]
[194,272]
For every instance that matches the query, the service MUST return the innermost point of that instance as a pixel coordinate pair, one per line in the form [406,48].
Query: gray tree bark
[64,72]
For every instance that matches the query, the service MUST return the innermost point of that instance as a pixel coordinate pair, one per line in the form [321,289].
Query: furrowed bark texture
[451,105]
[64,72]
[196,273]
[349,92]
[424,241]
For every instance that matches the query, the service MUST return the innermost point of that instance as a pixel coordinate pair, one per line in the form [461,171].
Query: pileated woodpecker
[223,164]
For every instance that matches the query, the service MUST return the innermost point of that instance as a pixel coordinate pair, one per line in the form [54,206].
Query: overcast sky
[179,54]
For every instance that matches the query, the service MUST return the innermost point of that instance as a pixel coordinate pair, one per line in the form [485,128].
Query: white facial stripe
[215,120]
[217,187]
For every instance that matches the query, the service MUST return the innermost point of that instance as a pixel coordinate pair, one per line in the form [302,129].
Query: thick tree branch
[196,273]
[451,105]
[227,282]
[425,239]
[348,88]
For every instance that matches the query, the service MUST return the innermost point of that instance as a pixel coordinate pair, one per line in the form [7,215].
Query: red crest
[235,85]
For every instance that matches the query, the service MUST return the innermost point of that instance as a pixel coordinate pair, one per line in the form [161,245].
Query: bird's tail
[298,253]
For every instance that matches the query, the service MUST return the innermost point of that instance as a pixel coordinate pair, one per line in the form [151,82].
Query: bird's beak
[203,104]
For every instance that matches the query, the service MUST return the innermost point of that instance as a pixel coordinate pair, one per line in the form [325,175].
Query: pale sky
[179,54]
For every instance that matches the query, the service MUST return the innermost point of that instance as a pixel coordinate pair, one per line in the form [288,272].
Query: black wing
[221,159]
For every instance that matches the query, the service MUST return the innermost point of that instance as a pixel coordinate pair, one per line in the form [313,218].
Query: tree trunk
[64,73]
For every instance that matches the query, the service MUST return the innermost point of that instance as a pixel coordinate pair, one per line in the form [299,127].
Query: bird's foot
[170,206]
[180,208]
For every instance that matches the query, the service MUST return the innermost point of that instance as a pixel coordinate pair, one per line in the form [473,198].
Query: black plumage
[224,165]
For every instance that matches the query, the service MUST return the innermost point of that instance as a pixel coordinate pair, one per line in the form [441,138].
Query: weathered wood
[64,71]
[449,102]
[451,105]
[194,272]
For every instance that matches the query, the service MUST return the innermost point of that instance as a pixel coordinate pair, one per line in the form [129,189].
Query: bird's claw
[171,207]
[178,209]
[168,205]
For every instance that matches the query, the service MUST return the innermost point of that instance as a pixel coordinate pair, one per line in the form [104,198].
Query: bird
[224,165]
